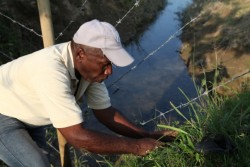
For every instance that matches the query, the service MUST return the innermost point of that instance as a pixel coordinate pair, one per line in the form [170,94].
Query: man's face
[94,68]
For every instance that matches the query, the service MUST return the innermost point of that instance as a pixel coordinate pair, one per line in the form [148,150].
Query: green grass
[229,116]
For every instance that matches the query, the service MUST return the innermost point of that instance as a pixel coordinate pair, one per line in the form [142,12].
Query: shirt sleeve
[54,91]
[97,96]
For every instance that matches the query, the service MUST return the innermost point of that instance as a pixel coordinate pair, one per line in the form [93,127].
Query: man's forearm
[102,143]
[119,124]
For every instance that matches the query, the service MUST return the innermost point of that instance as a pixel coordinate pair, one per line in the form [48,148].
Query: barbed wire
[196,98]
[6,56]
[33,31]
[71,21]
[20,24]
[156,50]
[136,4]
[153,52]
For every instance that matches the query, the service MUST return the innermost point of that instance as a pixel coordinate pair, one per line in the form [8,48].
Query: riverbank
[216,46]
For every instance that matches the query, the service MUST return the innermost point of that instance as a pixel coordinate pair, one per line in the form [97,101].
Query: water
[156,82]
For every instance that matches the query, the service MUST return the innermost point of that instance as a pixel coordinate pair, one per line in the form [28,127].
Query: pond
[150,85]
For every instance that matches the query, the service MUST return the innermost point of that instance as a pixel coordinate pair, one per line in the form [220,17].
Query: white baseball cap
[104,36]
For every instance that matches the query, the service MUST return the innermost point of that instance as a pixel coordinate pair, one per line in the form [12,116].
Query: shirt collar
[68,58]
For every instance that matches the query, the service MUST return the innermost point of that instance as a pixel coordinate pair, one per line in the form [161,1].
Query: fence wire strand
[20,24]
[6,56]
[153,52]
[196,98]
[71,21]
[136,4]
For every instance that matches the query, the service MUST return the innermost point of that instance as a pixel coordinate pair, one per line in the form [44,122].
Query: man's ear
[80,54]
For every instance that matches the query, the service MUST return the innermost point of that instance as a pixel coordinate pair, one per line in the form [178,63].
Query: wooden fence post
[48,40]
[46,22]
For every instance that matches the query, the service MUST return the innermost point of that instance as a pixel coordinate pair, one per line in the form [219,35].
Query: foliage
[217,115]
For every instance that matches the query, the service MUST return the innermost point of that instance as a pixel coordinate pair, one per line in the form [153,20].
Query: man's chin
[100,81]
[94,81]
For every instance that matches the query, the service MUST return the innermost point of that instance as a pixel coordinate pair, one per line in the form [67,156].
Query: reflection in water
[156,82]
[217,46]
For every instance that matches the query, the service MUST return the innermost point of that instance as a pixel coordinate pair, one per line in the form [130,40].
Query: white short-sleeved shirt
[38,89]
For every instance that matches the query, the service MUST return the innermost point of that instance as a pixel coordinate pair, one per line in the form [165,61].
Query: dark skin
[137,141]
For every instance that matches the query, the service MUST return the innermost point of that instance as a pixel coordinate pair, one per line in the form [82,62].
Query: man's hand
[101,143]
[146,145]
[164,135]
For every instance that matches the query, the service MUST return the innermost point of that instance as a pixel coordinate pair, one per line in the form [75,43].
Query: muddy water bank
[216,46]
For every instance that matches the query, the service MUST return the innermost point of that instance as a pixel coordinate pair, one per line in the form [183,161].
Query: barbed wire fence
[60,34]
[146,57]
[31,30]
[154,51]
[71,21]
[136,4]
[205,93]
[20,24]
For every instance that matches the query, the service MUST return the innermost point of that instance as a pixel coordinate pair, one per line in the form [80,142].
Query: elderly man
[45,87]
